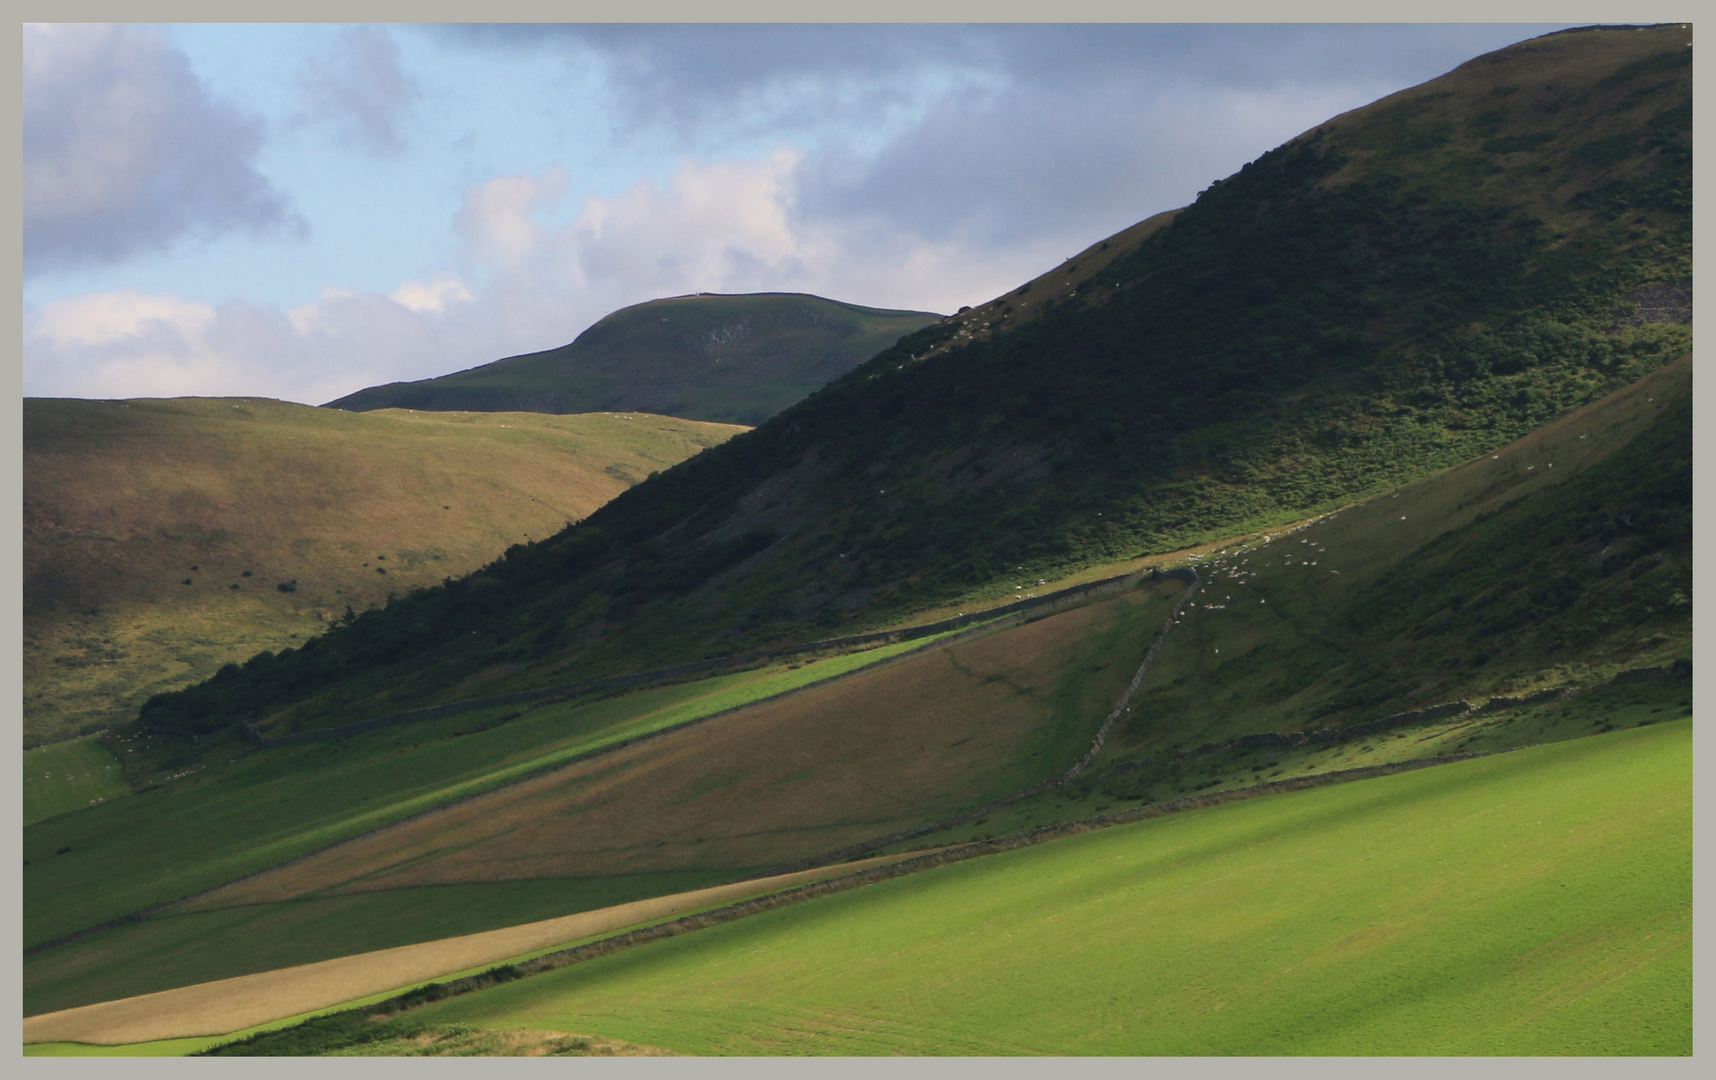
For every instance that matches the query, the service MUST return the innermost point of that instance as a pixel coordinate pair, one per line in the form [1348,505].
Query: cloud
[527,282]
[359,87]
[125,153]
[1031,144]
[994,138]
[437,295]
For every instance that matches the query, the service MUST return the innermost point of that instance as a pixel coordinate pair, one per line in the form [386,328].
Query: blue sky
[299,211]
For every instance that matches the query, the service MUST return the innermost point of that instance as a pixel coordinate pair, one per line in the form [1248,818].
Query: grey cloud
[359,87]
[1097,128]
[685,77]
[1015,131]
[125,153]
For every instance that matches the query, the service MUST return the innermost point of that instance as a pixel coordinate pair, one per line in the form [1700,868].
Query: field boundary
[1679,669]
[502,973]
[1013,615]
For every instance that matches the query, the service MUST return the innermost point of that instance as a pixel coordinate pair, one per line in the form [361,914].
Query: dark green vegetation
[1478,584]
[735,359]
[1377,299]
[164,539]
[1537,902]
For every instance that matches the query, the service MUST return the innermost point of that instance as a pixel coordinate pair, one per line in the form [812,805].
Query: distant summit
[735,359]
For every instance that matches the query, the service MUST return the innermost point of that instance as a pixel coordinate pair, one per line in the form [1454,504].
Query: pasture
[1022,708]
[1534,902]
[793,776]
[69,776]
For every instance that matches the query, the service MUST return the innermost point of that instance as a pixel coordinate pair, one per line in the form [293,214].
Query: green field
[204,828]
[1535,902]
[226,812]
[69,776]
[181,949]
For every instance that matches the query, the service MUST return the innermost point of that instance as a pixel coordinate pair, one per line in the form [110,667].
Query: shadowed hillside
[1401,288]
[736,359]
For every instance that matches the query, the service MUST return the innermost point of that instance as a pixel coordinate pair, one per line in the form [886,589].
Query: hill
[518,811]
[733,359]
[166,538]
[1400,289]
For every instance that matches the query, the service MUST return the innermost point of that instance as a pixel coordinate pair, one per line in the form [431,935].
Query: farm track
[214,1008]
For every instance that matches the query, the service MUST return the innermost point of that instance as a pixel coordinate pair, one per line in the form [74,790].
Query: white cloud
[110,318]
[437,295]
[124,151]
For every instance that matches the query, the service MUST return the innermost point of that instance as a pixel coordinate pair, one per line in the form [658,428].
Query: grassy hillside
[69,776]
[1489,583]
[735,359]
[1532,903]
[166,538]
[894,746]
[1406,286]
[899,743]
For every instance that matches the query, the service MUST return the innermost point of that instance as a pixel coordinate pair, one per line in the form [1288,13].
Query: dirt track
[226,1005]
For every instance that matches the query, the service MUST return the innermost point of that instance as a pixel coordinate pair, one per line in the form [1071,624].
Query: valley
[1273,638]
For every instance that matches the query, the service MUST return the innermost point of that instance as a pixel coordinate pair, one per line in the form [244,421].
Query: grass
[789,778]
[1537,902]
[69,776]
[125,501]
[181,949]
[226,811]
[1114,787]
[1428,594]
[785,779]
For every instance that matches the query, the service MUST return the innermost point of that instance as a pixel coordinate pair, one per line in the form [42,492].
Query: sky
[300,211]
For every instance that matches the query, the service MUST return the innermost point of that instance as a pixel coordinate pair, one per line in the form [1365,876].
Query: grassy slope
[1537,902]
[69,776]
[1410,284]
[220,810]
[1475,582]
[783,780]
[1230,700]
[1021,715]
[735,359]
[122,499]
